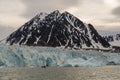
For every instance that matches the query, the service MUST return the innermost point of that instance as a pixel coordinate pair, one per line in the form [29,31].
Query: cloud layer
[103,14]
[10,12]
[37,6]
[116,11]
[5,31]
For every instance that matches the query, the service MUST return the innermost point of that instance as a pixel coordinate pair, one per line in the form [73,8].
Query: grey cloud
[113,20]
[116,11]
[5,31]
[37,6]
[107,28]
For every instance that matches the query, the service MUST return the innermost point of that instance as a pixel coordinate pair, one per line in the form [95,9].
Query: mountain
[113,39]
[57,30]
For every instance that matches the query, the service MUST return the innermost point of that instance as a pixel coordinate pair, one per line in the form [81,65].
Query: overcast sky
[103,14]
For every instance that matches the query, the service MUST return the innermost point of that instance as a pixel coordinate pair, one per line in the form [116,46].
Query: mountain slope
[113,39]
[57,29]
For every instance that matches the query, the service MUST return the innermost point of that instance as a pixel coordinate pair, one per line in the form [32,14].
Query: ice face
[21,56]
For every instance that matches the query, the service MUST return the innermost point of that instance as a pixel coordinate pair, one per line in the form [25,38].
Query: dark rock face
[57,29]
[112,38]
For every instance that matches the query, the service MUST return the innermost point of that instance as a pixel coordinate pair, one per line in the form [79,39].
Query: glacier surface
[24,56]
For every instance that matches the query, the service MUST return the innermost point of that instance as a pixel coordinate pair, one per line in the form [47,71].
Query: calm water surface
[56,73]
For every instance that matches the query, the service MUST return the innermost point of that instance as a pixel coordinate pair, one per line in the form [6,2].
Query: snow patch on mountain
[115,43]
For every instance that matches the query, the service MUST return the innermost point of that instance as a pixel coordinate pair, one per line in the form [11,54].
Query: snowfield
[115,43]
[23,56]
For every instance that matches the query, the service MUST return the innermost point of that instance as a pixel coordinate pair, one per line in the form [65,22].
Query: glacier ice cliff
[24,56]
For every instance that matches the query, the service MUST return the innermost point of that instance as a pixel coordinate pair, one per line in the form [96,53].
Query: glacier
[24,56]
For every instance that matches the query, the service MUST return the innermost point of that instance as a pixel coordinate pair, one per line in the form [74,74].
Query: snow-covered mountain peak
[55,13]
[68,15]
[57,30]
[41,15]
